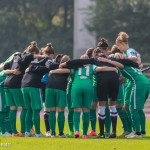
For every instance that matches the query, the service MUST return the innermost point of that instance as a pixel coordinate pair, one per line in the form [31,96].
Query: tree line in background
[109,17]
[23,21]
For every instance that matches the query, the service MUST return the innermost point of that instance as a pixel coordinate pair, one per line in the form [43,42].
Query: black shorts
[108,88]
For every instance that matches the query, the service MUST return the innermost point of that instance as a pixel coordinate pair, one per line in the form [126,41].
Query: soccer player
[129,53]
[82,91]
[14,98]
[137,98]
[120,98]
[69,103]
[4,110]
[32,93]
[49,51]
[55,96]
[91,52]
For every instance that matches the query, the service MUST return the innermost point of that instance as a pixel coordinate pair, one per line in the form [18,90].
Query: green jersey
[94,79]
[134,75]
[130,52]
[69,86]
[2,75]
[83,76]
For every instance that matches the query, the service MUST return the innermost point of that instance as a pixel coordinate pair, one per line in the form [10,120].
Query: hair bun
[103,40]
[123,36]
[33,43]
[49,44]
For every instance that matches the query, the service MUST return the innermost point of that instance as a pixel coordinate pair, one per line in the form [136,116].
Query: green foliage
[23,21]
[109,17]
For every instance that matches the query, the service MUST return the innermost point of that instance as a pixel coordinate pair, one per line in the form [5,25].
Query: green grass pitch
[21,143]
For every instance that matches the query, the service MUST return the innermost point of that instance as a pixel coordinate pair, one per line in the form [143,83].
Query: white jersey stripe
[79,71]
[134,88]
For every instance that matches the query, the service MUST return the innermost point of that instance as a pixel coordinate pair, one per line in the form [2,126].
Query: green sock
[129,121]
[36,120]
[122,117]
[12,117]
[76,120]
[129,128]
[142,119]
[28,120]
[52,120]
[70,120]
[107,120]
[22,120]
[86,119]
[2,122]
[7,122]
[93,119]
[135,119]
[61,121]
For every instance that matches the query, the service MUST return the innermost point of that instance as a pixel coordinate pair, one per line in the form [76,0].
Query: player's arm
[105,68]
[15,71]
[119,65]
[59,71]
[77,63]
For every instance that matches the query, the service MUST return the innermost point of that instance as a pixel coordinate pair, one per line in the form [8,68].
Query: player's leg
[136,104]
[19,101]
[86,101]
[113,90]
[13,110]
[4,116]
[36,105]
[126,108]
[93,117]
[28,118]
[102,98]
[7,121]
[142,115]
[50,103]
[70,111]
[46,114]
[76,105]
[61,104]
[107,120]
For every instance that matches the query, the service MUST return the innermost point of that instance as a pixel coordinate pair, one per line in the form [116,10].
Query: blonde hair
[65,58]
[122,38]
[112,55]
[118,55]
[84,57]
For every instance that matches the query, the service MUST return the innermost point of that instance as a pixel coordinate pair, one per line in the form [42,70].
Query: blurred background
[73,26]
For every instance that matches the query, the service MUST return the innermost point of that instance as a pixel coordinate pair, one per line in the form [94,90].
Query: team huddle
[109,81]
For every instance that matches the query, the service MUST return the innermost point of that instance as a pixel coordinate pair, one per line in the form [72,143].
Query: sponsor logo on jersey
[83,77]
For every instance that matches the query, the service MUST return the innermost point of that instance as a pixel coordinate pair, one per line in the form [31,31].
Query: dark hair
[32,48]
[48,49]
[89,52]
[115,49]
[58,58]
[96,52]
[103,44]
